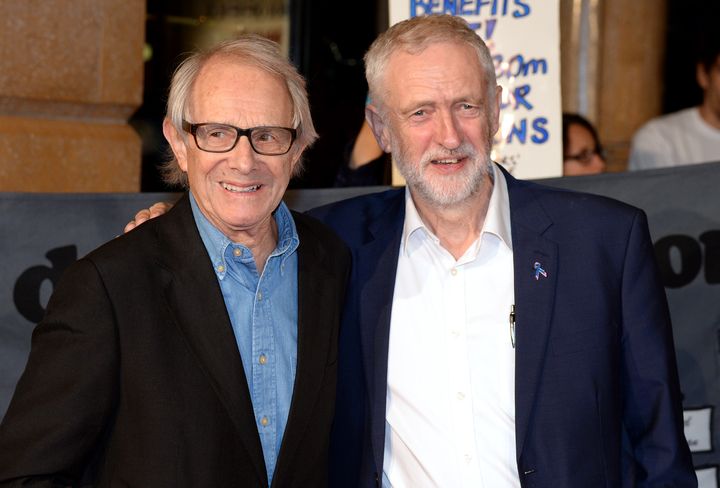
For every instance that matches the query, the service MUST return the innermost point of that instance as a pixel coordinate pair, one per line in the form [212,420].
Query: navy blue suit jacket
[598,402]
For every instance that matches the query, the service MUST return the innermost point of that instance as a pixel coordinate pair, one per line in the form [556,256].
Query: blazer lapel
[535,261]
[376,262]
[195,299]
[316,281]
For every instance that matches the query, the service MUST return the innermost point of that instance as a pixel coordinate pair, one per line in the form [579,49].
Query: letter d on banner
[26,294]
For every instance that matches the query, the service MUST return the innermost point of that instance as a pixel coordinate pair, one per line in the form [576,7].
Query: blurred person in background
[582,151]
[691,135]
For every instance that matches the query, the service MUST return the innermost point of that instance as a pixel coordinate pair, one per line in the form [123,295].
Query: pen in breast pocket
[512,325]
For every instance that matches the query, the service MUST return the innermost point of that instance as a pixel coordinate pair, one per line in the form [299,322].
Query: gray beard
[452,190]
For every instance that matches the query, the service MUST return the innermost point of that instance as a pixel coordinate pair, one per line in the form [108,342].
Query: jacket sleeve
[653,415]
[65,399]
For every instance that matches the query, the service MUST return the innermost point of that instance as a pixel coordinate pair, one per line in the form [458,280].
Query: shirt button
[468,458]
[460,395]
[259,295]
[455,334]
[220,269]
[262,359]
[264,421]
[453,271]
[237,252]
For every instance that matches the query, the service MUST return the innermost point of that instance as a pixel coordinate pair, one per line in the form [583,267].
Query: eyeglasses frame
[587,159]
[193,128]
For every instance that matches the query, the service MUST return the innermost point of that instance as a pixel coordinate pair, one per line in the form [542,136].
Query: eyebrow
[479,101]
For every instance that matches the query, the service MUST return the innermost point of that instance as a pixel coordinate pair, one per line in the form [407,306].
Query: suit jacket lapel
[316,277]
[377,265]
[195,299]
[534,296]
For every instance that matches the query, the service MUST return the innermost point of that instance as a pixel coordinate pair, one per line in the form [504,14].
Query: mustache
[465,150]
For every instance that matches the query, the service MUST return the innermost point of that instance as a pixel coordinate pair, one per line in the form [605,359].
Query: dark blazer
[135,379]
[597,396]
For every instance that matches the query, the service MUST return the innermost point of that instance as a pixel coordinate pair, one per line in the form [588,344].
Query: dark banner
[41,234]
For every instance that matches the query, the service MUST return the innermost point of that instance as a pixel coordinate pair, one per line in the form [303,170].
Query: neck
[261,243]
[457,226]
[710,116]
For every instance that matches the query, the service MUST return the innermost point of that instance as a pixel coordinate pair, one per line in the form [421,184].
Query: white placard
[707,477]
[524,39]
[698,429]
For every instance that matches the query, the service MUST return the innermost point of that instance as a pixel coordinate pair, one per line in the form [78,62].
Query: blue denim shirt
[263,311]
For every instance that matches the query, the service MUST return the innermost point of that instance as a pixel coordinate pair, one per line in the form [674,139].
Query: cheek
[414,140]
[571,168]
[198,167]
[478,130]
[281,172]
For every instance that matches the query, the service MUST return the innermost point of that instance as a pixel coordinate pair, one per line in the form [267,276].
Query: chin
[448,191]
[444,194]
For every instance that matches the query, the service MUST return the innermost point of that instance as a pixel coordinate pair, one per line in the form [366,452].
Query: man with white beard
[496,333]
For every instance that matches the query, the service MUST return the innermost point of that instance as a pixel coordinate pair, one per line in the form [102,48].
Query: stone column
[71,75]
[630,82]
[612,58]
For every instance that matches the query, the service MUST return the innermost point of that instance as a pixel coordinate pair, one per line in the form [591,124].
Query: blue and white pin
[539,271]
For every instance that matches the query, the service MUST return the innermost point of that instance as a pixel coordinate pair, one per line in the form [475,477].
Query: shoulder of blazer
[311,228]
[356,220]
[531,202]
[164,239]
[319,243]
[364,206]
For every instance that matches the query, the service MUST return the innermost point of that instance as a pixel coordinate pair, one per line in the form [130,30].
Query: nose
[448,132]
[242,157]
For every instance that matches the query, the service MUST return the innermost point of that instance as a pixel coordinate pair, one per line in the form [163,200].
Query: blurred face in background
[582,156]
[709,81]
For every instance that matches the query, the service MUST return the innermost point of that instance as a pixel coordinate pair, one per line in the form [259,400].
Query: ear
[495,117]
[297,153]
[177,143]
[379,127]
[702,76]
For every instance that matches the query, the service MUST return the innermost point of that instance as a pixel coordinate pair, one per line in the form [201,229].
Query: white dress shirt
[450,415]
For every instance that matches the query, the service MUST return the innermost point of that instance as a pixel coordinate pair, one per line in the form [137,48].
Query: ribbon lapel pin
[539,271]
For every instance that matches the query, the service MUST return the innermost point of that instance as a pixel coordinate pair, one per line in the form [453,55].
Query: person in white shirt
[691,135]
[497,333]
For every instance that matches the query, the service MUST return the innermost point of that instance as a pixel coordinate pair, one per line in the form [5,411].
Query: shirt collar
[497,219]
[216,242]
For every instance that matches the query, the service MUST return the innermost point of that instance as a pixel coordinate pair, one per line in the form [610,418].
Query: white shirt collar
[497,219]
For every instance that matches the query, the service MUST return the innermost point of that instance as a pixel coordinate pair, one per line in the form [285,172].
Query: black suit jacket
[597,397]
[135,379]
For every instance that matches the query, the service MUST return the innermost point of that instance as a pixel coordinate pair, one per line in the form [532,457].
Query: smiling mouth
[446,161]
[241,189]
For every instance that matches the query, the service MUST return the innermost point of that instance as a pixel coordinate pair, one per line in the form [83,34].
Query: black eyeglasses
[585,156]
[220,138]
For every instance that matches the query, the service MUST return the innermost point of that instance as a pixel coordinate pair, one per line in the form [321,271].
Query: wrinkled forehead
[227,84]
[412,57]
[437,66]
